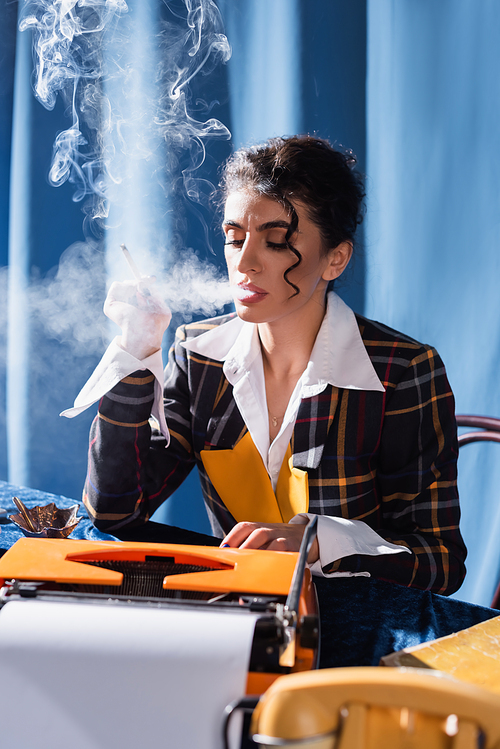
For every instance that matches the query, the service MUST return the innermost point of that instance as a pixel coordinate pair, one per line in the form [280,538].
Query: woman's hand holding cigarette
[142,316]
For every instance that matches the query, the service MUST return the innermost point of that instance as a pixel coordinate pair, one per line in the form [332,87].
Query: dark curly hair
[308,170]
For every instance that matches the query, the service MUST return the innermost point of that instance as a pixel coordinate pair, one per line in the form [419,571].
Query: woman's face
[257,257]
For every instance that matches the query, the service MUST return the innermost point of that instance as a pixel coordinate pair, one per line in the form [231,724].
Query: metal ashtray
[45,521]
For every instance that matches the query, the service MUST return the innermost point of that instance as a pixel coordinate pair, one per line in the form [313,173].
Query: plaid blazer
[388,459]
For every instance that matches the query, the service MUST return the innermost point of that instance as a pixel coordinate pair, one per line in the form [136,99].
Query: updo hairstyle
[307,170]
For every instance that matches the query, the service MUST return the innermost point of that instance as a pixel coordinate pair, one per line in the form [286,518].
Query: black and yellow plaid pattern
[388,459]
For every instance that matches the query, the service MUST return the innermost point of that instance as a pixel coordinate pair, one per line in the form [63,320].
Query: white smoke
[85,48]
[67,40]
[193,286]
[86,52]
[186,54]
[66,305]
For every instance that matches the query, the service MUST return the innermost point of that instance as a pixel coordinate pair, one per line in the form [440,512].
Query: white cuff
[113,367]
[338,538]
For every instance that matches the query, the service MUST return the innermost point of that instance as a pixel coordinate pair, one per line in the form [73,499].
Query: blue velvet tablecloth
[362,619]
[10,533]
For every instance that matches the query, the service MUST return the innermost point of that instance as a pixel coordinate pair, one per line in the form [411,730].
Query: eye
[233,238]
[278,245]
[276,239]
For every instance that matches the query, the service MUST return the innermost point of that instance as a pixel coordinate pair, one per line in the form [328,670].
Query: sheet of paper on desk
[95,676]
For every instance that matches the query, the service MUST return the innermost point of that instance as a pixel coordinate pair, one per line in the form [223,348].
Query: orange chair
[488,430]
[376,708]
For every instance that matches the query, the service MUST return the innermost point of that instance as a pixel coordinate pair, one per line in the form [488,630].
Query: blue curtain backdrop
[7,64]
[433,226]
[410,86]
[38,224]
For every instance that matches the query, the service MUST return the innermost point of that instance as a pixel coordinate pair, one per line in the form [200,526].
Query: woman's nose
[249,255]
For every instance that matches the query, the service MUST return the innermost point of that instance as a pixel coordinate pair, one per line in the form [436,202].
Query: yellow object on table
[472,655]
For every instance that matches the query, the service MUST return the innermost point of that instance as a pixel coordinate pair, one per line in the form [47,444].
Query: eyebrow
[262,227]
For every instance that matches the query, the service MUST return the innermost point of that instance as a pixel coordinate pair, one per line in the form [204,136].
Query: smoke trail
[66,305]
[85,52]
[132,128]
[197,50]
[193,286]
[80,51]
[67,41]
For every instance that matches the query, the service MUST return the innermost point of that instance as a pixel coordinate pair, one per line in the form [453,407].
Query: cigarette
[135,270]
[133,267]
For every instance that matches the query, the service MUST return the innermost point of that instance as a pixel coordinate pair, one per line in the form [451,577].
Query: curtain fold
[7,68]
[264,69]
[42,222]
[433,229]
[19,263]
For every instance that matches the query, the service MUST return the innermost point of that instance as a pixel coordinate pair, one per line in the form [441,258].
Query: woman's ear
[338,260]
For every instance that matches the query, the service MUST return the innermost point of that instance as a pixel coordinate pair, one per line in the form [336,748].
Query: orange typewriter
[155,589]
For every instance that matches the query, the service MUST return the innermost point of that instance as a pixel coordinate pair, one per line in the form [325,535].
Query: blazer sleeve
[417,481]
[131,470]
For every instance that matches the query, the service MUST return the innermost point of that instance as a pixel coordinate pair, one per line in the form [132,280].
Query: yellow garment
[242,482]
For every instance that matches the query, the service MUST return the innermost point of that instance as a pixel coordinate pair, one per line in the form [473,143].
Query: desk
[472,655]
[10,533]
[362,619]
[151,532]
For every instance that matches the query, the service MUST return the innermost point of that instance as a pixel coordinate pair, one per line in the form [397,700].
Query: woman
[293,406]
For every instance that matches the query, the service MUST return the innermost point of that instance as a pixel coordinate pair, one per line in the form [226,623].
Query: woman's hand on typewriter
[142,316]
[270,536]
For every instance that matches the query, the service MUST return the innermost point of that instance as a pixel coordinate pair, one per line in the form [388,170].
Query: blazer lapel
[225,426]
[226,429]
[314,419]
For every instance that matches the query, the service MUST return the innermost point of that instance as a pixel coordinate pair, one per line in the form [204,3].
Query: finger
[283,544]
[242,531]
[123,292]
[132,295]
[238,534]
[150,298]
[120,290]
[147,281]
[260,538]
[143,286]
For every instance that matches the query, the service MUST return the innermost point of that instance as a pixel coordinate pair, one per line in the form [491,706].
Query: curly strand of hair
[294,222]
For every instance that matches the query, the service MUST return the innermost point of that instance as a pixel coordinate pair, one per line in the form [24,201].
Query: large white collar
[339,356]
